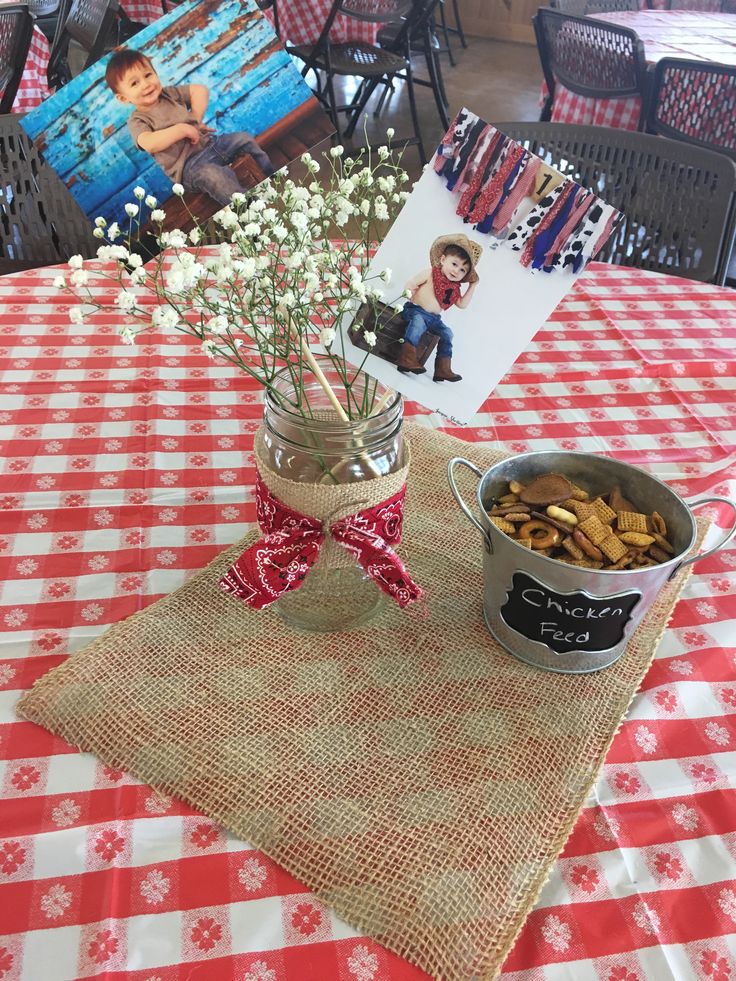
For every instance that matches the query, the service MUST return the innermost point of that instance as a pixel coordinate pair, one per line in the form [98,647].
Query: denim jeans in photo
[208,169]
[419,321]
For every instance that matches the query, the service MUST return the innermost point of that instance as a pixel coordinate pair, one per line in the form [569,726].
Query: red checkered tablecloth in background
[33,88]
[125,469]
[700,36]
[144,11]
[301,22]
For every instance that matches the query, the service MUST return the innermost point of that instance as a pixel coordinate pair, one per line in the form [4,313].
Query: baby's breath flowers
[268,290]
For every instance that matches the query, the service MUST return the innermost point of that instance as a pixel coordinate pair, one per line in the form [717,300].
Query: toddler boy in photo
[453,259]
[167,123]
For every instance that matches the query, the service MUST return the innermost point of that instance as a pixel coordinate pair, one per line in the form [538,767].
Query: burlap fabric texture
[419,779]
[328,501]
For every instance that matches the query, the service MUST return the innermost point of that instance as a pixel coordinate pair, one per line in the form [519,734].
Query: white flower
[390,132]
[139,192]
[131,210]
[208,348]
[158,215]
[98,233]
[76,262]
[100,222]
[127,334]
[194,236]
[383,152]
[386,275]
[76,315]
[113,231]
[218,325]
[327,336]
[337,151]
[135,260]
[370,338]
[165,317]
[59,282]
[125,300]
[151,201]
[381,211]
[177,189]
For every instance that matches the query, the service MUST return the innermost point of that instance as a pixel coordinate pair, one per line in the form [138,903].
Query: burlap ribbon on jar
[329,525]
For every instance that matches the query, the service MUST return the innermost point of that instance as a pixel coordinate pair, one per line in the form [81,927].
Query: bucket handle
[728,536]
[460,461]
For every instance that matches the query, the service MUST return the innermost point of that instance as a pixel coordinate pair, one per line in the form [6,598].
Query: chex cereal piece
[613,548]
[632,521]
[663,543]
[603,511]
[586,564]
[570,546]
[583,509]
[594,529]
[637,538]
[503,525]
[578,494]
[524,542]
[623,562]
[658,523]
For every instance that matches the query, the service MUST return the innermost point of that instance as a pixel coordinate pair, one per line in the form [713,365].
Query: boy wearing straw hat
[453,260]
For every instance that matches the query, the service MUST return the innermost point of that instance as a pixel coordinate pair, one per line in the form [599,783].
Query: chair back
[376,11]
[16,31]
[43,8]
[694,101]
[590,57]
[589,8]
[676,199]
[40,222]
[89,23]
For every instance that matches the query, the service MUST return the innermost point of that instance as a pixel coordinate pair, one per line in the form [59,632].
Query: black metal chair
[368,62]
[89,23]
[589,8]
[16,31]
[424,41]
[677,199]
[40,222]
[46,15]
[590,57]
[694,101]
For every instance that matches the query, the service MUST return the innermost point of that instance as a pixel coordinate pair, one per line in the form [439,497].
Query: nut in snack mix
[555,517]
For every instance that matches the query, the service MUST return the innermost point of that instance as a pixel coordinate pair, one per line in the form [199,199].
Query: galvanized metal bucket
[561,617]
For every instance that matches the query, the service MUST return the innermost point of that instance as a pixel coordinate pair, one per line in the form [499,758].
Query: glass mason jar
[314,446]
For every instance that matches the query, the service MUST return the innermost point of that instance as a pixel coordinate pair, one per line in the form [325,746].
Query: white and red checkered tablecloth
[695,34]
[33,88]
[144,11]
[301,22]
[126,469]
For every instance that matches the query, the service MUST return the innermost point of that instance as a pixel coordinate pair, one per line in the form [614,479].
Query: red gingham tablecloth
[144,11]
[127,468]
[301,22]
[700,36]
[33,88]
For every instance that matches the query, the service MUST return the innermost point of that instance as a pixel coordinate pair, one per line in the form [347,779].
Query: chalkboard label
[566,622]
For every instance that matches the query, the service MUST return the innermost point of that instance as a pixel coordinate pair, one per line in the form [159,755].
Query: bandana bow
[280,561]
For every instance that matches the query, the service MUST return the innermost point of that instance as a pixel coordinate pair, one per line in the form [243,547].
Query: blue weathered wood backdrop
[227,45]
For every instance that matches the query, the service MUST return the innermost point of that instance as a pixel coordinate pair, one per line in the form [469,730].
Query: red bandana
[446,292]
[280,560]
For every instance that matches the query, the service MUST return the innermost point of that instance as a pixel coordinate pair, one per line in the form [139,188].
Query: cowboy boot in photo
[443,371]
[408,360]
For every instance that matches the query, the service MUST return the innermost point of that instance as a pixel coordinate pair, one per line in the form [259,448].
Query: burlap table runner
[414,775]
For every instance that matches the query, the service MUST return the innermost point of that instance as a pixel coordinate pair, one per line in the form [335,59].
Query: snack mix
[554,517]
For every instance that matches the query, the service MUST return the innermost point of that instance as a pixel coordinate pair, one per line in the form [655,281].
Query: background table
[33,88]
[301,22]
[125,469]
[697,35]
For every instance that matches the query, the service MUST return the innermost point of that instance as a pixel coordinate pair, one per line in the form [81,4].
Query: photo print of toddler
[206,98]
[487,244]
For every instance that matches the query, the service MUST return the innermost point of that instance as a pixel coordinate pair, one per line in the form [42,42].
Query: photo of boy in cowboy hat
[453,260]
